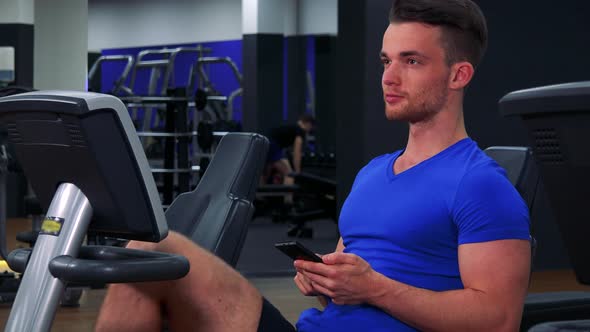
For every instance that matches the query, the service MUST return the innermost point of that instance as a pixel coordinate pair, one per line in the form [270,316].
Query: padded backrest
[522,171]
[520,168]
[216,214]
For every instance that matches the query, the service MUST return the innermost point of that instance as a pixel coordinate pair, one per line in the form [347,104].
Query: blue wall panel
[221,75]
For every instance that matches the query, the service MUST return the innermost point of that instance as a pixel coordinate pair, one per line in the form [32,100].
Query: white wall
[318,17]
[60,59]
[17,11]
[271,16]
[249,16]
[291,17]
[132,23]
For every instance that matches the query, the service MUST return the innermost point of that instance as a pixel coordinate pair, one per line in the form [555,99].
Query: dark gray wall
[362,130]
[262,100]
[295,80]
[325,93]
[531,43]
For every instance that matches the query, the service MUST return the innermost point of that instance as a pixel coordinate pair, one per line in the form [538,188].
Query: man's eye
[412,62]
[385,61]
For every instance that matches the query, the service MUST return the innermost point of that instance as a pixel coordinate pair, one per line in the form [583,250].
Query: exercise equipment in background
[557,119]
[314,197]
[118,87]
[218,108]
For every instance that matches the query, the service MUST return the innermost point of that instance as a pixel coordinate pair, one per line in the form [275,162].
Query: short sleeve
[487,207]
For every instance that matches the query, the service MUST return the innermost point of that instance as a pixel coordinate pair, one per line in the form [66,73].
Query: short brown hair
[464,29]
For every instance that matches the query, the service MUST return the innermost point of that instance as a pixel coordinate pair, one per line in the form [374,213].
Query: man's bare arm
[297,152]
[495,276]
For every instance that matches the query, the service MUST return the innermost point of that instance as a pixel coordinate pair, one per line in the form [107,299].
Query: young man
[285,137]
[434,237]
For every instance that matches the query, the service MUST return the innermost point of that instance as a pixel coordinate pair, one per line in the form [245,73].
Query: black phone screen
[296,250]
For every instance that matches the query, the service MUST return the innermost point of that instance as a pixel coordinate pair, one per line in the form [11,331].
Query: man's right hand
[306,288]
[304,285]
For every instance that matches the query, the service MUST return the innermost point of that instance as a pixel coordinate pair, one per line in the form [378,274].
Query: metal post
[182,157]
[62,233]
[169,153]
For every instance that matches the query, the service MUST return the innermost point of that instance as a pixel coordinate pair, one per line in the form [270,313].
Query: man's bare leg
[129,309]
[212,297]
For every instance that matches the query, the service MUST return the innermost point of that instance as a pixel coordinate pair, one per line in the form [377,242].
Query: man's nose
[391,74]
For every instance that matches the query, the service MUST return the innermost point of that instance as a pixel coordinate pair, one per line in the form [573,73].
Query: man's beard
[423,105]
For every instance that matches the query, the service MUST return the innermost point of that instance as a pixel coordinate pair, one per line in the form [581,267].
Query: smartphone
[296,250]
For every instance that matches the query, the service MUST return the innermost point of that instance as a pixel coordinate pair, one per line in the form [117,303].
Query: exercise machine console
[85,162]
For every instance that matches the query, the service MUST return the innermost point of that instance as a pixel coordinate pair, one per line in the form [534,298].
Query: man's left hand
[345,278]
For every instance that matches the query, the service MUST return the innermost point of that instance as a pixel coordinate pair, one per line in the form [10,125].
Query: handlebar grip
[118,265]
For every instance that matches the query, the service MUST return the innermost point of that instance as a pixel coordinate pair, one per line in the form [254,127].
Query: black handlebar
[110,265]
[17,259]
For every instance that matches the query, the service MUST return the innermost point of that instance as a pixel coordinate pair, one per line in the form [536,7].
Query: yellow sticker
[4,267]
[51,226]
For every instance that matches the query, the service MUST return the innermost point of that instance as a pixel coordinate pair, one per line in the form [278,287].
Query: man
[285,137]
[434,237]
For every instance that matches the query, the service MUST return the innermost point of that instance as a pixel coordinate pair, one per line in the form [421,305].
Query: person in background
[287,137]
[282,139]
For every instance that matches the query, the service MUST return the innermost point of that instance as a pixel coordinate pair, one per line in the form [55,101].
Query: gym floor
[279,290]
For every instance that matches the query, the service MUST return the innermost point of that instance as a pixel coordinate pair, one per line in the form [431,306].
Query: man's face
[415,74]
[306,126]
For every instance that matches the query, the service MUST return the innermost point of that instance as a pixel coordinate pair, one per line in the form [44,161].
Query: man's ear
[461,75]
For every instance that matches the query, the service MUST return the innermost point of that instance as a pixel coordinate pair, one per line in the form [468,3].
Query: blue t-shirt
[408,226]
